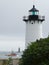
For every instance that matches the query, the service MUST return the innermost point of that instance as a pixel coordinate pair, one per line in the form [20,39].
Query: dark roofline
[33,9]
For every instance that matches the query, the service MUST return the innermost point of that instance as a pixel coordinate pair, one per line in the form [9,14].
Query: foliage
[5,62]
[37,53]
[8,62]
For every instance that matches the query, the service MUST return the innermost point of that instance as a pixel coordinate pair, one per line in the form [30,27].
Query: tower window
[33,13]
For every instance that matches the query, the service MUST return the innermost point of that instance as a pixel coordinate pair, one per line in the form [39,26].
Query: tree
[9,61]
[5,62]
[37,53]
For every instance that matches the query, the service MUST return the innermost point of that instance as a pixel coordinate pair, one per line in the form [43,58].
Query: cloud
[11,43]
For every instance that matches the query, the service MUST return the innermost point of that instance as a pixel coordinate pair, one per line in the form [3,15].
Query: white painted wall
[33,31]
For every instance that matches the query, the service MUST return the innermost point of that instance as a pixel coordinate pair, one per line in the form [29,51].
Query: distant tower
[33,25]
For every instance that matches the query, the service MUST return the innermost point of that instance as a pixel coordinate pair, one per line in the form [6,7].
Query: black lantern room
[34,15]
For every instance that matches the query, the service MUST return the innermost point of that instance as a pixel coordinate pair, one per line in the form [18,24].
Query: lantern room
[33,11]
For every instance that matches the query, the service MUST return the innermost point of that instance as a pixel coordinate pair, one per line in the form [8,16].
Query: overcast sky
[12,26]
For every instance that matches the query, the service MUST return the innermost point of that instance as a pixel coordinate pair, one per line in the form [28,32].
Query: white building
[33,25]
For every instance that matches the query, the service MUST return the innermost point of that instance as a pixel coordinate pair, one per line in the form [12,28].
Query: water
[4,55]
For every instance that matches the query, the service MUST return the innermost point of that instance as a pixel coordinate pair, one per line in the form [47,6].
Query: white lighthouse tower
[33,25]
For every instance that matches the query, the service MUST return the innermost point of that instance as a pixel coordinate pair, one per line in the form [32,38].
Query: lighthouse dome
[33,11]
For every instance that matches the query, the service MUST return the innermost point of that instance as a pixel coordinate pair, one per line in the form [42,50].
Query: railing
[25,18]
[42,17]
[34,17]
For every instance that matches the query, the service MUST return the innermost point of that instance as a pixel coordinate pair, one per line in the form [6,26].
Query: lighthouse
[33,25]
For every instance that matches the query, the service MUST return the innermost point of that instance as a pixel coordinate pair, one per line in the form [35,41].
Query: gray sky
[12,27]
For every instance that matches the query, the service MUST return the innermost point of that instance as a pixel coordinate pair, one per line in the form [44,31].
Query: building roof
[33,9]
[6,55]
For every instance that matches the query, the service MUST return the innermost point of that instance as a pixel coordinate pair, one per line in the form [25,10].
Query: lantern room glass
[35,13]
